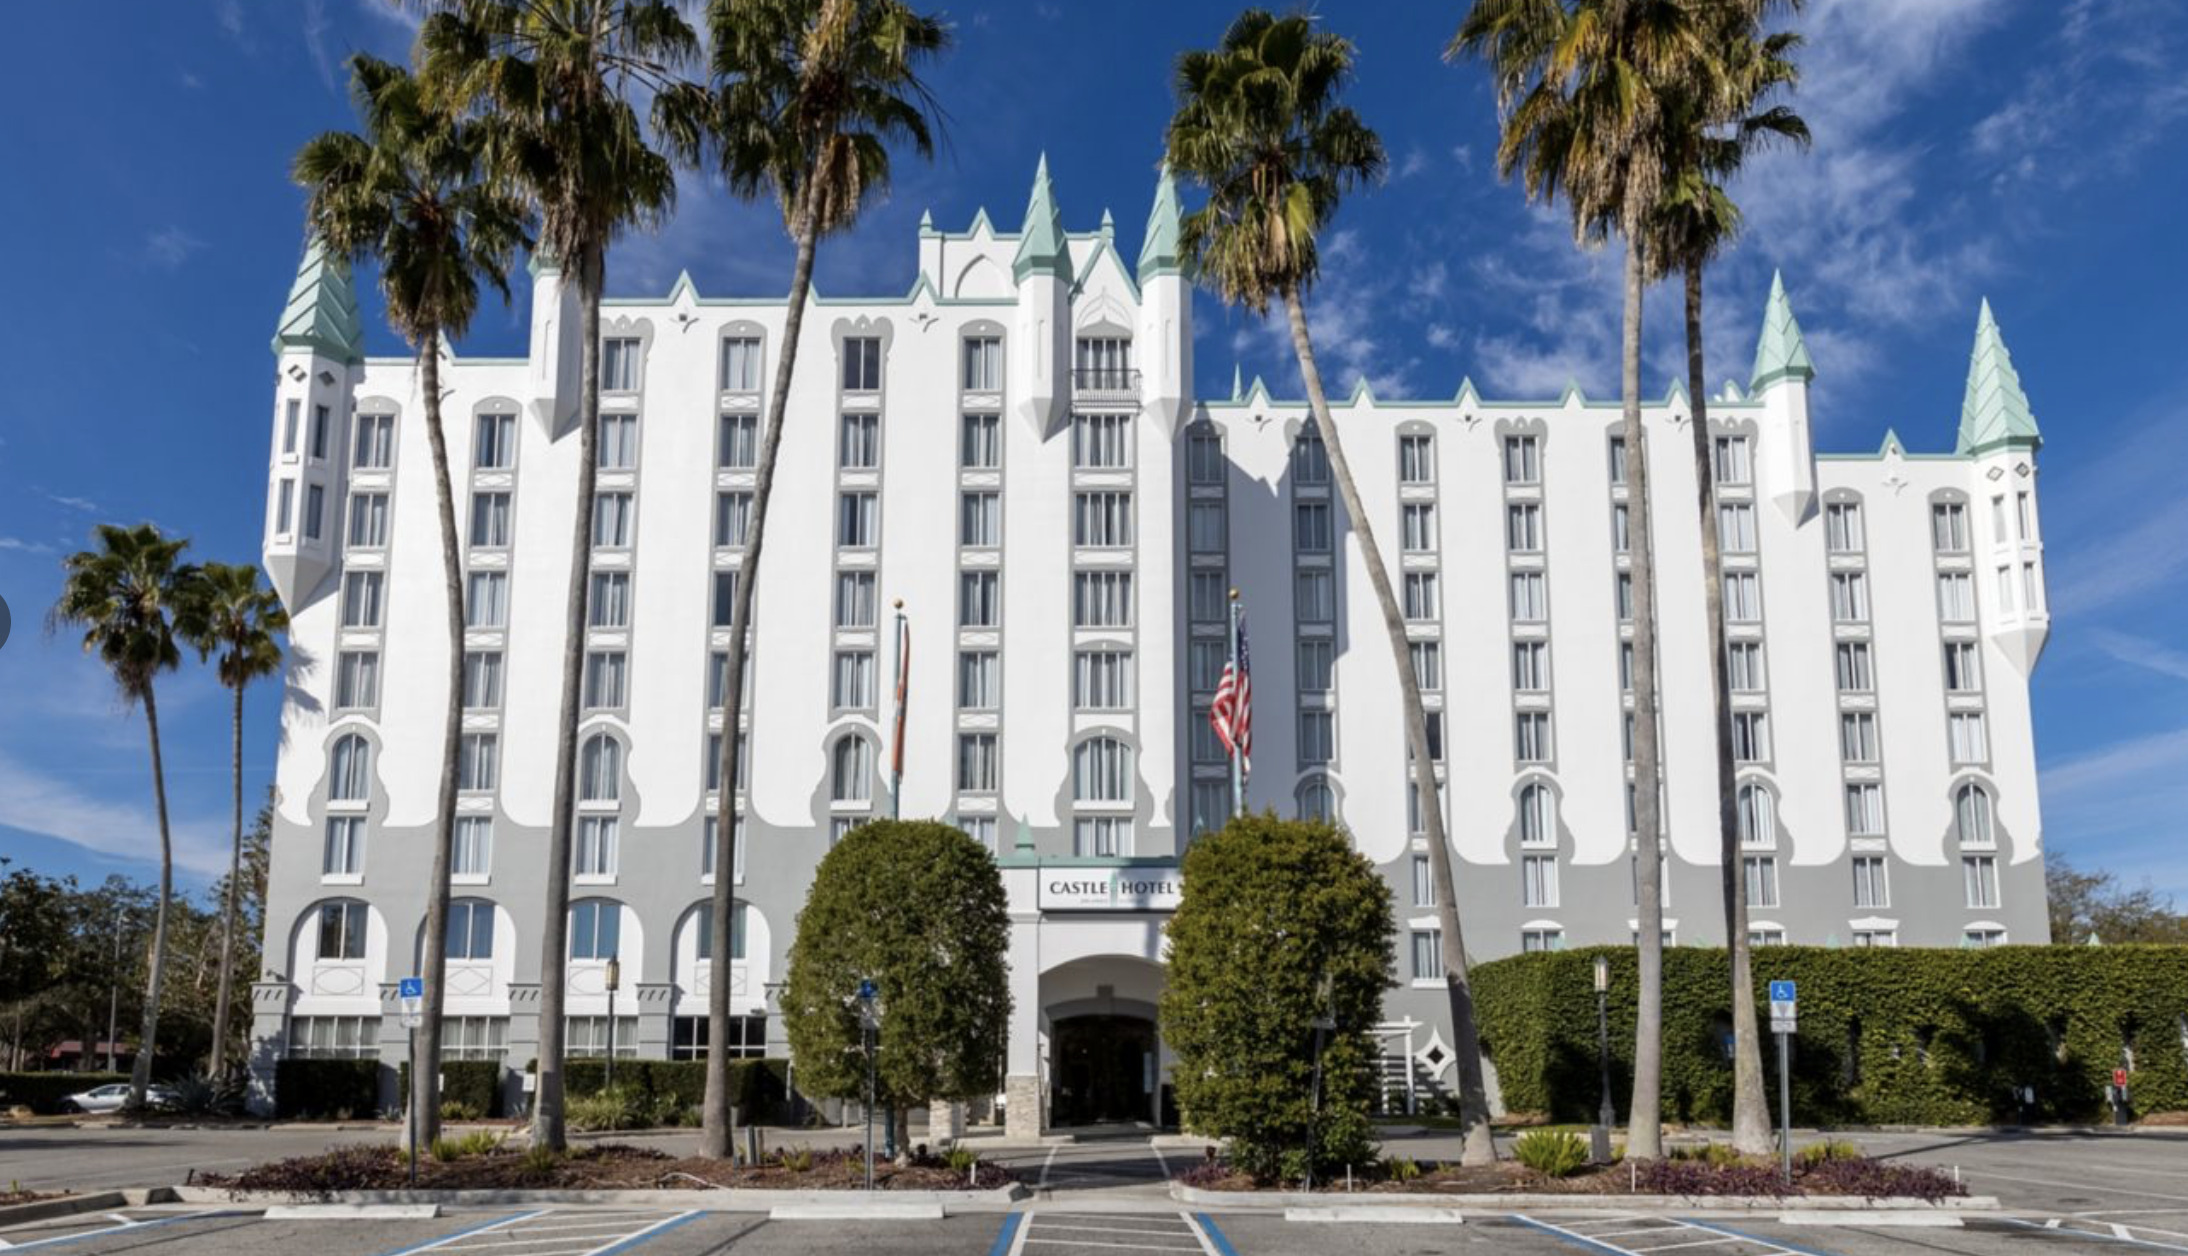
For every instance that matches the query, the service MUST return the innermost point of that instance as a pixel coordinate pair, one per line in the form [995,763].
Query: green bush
[673,1088]
[1401,1168]
[1828,1149]
[1887,1036]
[1553,1153]
[622,1108]
[327,1088]
[470,1087]
[43,1092]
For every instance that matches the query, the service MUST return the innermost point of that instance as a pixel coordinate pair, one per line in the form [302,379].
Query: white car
[111,1097]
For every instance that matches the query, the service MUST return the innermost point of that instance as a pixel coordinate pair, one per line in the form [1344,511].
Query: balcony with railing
[1096,381]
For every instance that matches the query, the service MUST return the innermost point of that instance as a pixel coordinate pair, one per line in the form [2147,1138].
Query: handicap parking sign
[1781,992]
[414,988]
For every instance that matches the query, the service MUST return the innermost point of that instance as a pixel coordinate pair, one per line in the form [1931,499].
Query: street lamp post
[869,1020]
[614,979]
[1606,1116]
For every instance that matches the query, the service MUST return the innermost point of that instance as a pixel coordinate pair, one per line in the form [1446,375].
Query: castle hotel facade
[1017,450]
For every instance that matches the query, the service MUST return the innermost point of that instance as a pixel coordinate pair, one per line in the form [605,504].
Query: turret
[1998,434]
[556,356]
[1786,458]
[1166,313]
[1040,373]
[319,345]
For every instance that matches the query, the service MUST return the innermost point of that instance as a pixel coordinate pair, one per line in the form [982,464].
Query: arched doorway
[1102,1069]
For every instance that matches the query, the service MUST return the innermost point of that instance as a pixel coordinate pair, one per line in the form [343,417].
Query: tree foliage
[2085,903]
[1271,909]
[918,908]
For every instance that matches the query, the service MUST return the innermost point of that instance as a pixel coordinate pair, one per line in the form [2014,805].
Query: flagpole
[1238,758]
[903,683]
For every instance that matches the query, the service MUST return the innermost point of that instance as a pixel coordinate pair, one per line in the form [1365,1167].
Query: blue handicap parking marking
[1781,992]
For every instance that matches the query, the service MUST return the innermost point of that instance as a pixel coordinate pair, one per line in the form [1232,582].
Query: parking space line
[1666,1247]
[1003,1237]
[117,1229]
[1209,1233]
[1775,1244]
[1095,1229]
[480,1228]
[1129,1247]
[2089,1234]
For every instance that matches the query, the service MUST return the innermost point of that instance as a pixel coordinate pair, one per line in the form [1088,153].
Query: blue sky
[2027,150]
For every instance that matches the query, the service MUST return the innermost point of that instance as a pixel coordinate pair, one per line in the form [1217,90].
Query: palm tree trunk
[1750,1108]
[425,1080]
[1644,1133]
[547,1125]
[219,1067]
[719,1136]
[140,1073]
[1479,1147]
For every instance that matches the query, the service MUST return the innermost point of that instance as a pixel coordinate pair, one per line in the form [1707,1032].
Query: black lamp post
[614,979]
[1606,1116]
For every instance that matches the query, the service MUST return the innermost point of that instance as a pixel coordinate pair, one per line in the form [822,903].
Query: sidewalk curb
[1647,1204]
[67,1205]
[722,1200]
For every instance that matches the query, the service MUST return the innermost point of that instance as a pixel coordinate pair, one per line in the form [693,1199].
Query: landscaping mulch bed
[602,1166]
[19,1196]
[1865,1178]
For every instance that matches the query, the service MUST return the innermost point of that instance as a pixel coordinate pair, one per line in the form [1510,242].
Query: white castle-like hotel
[1016,449]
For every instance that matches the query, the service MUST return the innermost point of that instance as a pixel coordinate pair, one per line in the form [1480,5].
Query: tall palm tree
[410,194]
[1715,115]
[808,96]
[123,595]
[1579,89]
[227,611]
[555,78]
[1259,125]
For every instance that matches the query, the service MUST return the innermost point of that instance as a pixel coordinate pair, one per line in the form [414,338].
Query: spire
[1995,411]
[1041,243]
[1238,383]
[1159,255]
[1780,353]
[322,311]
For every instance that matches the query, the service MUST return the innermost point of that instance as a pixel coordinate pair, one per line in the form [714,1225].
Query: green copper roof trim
[1104,247]
[1780,353]
[1995,412]
[321,313]
[1159,254]
[926,223]
[1043,246]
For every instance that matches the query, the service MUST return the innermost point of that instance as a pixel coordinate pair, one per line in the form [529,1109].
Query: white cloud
[2103,89]
[170,246]
[84,504]
[2141,652]
[229,13]
[1413,163]
[316,23]
[2114,807]
[93,817]
[28,547]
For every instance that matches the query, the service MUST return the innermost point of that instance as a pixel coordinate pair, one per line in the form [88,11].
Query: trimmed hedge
[756,1084]
[474,1083]
[43,1092]
[1887,1036]
[304,1087]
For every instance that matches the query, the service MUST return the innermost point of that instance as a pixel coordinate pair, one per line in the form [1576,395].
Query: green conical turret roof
[1159,255]
[1780,353]
[1995,412]
[1041,245]
[322,311]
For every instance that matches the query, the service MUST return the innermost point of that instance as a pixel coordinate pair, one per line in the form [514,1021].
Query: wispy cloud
[229,13]
[1347,320]
[90,816]
[170,246]
[84,504]
[1414,162]
[2105,87]
[316,25]
[2114,807]
[19,545]
[2153,656]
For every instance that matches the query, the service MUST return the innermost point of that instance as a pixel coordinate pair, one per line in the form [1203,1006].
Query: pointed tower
[319,344]
[1165,348]
[1786,457]
[1999,437]
[555,357]
[1041,343]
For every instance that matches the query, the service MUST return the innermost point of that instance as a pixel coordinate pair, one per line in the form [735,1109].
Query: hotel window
[1956,595]
[1618,460]
[1871,889]
[1876,937]
[980,519]
[287,508]
[1625,667]
[350,777]
[1416,823]
[1766,937]
[1755,818]
[977,763]
[478,762]
[1979,939]
[1744,665]
[486,599]
[1101,771]
[1949,527]
[1965,729]
[1317,659]
[1420,595]
[2025,515]
[474,849]
[613,514]
[1736,528]
[489,520]
[1427,663]
[725,598]
[1762,880]
[980,442]
[587,1037]
[367,520]
[618,446]
[1858,736]
[1751,736]
[1205,597]
[983,364]
[2031,589]
[1732,463]
[1310,460]
[980,679]
[1849,597]
[1102,520]
[1622,596]
[693,1035]
[1314,597]
[1102,599]
[344,854]
[470,930]
[1204,527]
[1621,529]
[481,680]
[1101,680]
[703,943]
[604,679]
[1211,803]
[1980,874]
[2005,589]
[855,599]
[1531,737]
[321,421]
[1842,533]
[718,680]
[1317,737]
[1204,458]
[1522,460]
[851,774]
[1523,528]
[342,930]
[600,770]
[744,768]
[732,519]
[1962,673]
[290,416]
[1865,809]
[1101,836]
[981,829]
[494,442]
[1972,816]
[1311,527]
[1417,526]
[741,364]
[361,599]
[334,1037]
[1102,362]
[1424,882]
[596,929]
[1416,460]
[707,842]
[357,680]
[1316,801]
[1101,442]
[1743,601]
[979,600]
[1853,667]
[1202,736]
[737,442]
[861,364]
[619,364]
[315,510]
[1427,954]
[1532,941]
[1538,880]
[1998,520]
[374,448]
[858,520]
[859,448]
[1530,597]
[1432,726]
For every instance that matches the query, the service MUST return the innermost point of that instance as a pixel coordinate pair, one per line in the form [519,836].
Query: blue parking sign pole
[1784,1006]
[410,990]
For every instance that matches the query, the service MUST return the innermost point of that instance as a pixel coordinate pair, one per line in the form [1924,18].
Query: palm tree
[554,78]
[1714,117]
[1259,125]
[1579,88]
[808,95]
[122,595]
[229,612]
[409,193]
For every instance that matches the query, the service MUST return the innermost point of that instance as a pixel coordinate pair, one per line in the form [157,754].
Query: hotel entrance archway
[1102,1069]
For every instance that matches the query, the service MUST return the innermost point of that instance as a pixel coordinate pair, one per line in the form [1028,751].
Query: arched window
[600,778]
[1971,811]
[1537,816]
[1758,820]
[596,929]
[1101,771]
[351,777]
[1317,801]
[471,929]
[852,779]
[703,950]
[342,928]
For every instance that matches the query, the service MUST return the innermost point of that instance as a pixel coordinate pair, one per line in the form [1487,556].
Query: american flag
[1233,712]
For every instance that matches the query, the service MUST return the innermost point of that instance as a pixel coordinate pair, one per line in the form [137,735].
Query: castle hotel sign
[1156,888]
